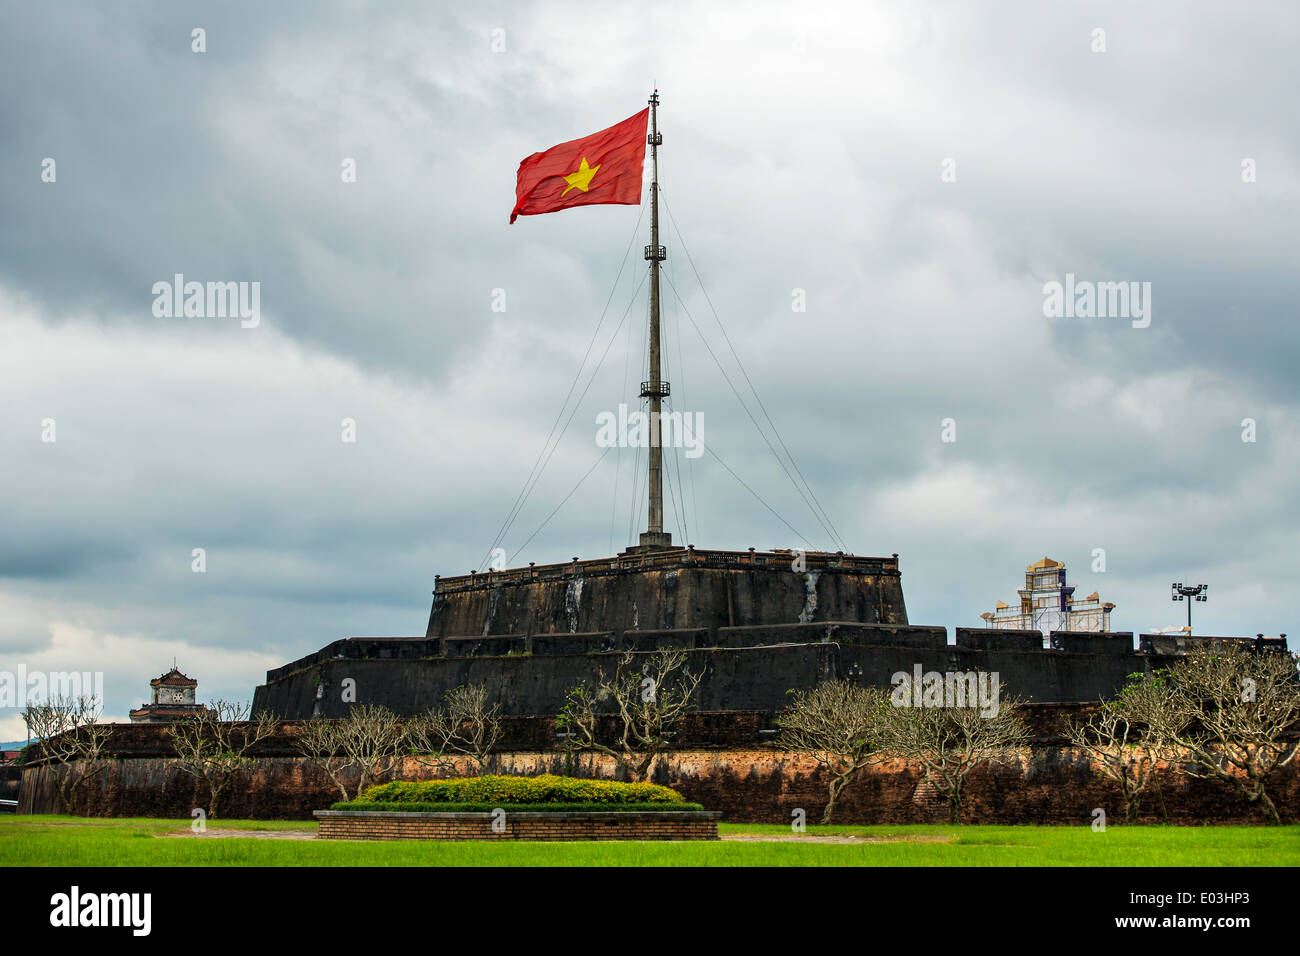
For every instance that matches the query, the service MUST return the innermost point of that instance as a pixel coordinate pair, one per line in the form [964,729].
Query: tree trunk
[1160,795]
[337,777]
[1132,806]
[954,800]
[215,791]
[642,769]
[837,785]
[61,785]
[1267,805]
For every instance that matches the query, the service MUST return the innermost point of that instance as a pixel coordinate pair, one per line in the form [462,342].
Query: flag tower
[656,390]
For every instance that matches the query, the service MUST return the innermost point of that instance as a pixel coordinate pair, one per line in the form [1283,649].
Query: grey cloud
[816,170]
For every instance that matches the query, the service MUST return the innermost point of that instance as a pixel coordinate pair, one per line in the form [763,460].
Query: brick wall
[366,825]
[1045,783]
[696,729]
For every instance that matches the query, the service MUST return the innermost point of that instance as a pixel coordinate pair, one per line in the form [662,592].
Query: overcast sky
[916,173]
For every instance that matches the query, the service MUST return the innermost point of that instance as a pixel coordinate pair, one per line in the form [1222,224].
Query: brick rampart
[1042,783]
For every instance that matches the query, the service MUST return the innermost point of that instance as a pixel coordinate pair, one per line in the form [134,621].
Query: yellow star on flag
[581,179]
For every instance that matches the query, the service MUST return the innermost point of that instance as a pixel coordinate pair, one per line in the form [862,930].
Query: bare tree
[647,694]
[840,725]
[213,743]
[1234,714]
[320,740]
[367,744]
[1128,736]
[950,741]
[72,742]
[465,723]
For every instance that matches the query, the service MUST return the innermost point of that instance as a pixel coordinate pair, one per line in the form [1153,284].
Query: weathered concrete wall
[673,590]
[752,679]
[744,668]
[1177,644]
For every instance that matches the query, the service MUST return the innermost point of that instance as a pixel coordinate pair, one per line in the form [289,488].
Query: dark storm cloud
[803,156]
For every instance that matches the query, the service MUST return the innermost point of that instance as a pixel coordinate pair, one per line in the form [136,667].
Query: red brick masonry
[397,825]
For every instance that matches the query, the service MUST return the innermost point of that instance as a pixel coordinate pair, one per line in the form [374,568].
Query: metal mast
[656,390]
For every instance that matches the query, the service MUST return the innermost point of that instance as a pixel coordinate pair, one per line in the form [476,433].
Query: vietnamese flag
[604,167]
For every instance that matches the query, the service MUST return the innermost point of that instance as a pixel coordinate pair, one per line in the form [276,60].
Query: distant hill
[13,745]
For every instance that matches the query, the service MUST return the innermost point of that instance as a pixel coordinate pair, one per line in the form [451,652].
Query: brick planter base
[396,825]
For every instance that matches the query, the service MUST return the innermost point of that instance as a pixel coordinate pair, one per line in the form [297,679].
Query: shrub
[503,791]
[412,807]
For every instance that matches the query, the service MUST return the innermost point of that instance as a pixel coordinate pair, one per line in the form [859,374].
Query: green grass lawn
[78,841]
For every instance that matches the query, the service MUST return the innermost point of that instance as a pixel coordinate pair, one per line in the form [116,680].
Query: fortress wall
[1042,676]
[993,639]
[1093,642]
[606,596]
[750,668]
[500,645]
[592,643]
[833,631]
[682,638]
[536,684]
[695,730]
[1047,783]
[357,648]
[1186,644]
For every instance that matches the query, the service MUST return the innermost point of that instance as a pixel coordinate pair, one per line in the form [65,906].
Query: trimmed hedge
[503,791]
[395,807]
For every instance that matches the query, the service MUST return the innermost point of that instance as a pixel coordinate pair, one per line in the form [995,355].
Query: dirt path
[254,834]
[840,838]
[726,837]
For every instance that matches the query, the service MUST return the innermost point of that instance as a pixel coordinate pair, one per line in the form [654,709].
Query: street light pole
[1189,593]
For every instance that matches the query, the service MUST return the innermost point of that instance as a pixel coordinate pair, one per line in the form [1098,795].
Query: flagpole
[655,389]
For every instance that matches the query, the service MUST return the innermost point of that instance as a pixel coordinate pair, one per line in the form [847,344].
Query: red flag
[602,168]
